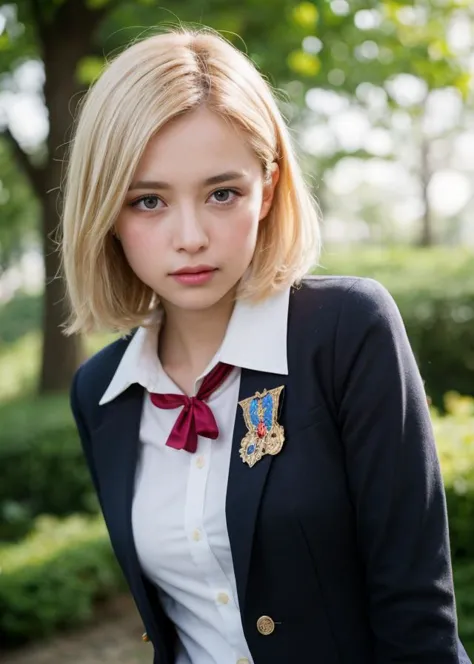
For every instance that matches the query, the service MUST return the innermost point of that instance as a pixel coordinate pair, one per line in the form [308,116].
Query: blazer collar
[255,339]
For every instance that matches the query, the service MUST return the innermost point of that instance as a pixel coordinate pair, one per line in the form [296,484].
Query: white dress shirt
[178,514]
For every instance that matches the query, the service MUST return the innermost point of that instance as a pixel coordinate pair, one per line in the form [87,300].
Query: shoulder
[354,299]
[94,375]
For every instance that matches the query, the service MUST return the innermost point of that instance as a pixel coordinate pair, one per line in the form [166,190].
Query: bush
[43,468]
[434,289]
[455,442]
[464,584]
[54,578]
[19,316]
[19,366]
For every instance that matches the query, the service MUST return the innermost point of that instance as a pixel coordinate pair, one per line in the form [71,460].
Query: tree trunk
[65,42]
[61,355]
[426,235]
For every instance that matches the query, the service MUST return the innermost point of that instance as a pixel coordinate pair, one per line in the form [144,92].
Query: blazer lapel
[115,449]
[246,485]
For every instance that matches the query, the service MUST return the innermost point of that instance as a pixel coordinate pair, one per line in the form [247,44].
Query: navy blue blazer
[342,537]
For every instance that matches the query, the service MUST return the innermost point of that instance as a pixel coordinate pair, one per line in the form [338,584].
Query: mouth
[194,276]
[198,269]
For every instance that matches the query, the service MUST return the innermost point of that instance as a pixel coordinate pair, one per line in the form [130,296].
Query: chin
[197,299]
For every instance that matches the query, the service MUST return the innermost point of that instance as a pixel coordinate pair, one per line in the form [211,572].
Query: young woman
[260,445]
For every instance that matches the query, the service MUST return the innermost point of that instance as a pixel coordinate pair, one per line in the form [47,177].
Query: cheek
[133,244]
[139,246]
[241,232]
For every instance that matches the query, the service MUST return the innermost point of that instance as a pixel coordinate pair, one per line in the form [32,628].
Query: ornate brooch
[265,435]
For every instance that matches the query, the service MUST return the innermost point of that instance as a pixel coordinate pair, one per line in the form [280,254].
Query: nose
[190,235]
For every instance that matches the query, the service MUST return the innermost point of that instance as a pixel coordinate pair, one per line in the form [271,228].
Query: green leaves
[98,4]
[305,15]
[434,289]
[336,45]
[89,69]
[304,64]
[52,579]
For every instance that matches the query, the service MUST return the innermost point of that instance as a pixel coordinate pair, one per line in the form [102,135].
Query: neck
[190,339]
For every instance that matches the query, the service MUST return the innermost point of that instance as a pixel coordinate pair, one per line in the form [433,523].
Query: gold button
[223,598]
[200,462]
[145,637]
[196,535]
[265,625]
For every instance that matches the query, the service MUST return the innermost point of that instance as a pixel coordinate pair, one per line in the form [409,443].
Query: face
[190,220]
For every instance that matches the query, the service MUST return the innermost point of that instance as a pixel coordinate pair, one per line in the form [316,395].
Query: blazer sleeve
[395,483]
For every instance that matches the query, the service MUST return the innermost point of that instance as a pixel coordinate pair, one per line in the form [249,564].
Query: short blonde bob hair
[144,88]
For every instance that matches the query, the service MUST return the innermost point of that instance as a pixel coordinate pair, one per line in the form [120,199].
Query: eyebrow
[214,179]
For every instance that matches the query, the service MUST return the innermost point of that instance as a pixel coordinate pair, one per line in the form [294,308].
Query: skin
[173,219]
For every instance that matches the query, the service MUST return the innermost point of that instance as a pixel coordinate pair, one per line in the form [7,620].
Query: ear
[269,190]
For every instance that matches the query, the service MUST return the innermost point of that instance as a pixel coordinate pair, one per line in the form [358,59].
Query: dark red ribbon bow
[196,418]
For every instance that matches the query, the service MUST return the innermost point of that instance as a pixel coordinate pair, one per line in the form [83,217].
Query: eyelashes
[151,202]
[235,193]
[148,198]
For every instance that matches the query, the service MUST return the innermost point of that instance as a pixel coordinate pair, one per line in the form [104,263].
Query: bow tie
[196,418]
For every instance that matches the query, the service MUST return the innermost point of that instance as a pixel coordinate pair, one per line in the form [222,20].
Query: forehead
[197,145]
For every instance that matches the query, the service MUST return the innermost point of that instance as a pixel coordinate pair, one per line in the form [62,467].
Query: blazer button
[265,625]
[145,637]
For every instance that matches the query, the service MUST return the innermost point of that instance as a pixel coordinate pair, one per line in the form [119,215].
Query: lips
[195,276]
[198,269]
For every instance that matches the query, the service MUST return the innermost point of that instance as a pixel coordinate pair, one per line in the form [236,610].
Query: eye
[225,196]
[148,202]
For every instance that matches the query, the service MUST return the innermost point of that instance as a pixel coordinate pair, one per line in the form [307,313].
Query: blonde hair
[156,80]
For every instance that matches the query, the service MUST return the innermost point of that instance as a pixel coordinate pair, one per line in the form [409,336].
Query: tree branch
[34,174]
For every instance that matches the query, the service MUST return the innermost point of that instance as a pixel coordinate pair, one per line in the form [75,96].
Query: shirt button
[196,535]
[223,598]
[200,462]
[243,660]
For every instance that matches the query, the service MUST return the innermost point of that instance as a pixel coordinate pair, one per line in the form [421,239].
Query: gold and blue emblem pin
[265,435]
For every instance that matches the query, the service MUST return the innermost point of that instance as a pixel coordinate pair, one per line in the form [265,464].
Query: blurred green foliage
[434,289]
[20,361]
[297,45]
[19,209]
[54,578]
[19,366]
[454,434]
[21,315]
[43,468]
[464,585]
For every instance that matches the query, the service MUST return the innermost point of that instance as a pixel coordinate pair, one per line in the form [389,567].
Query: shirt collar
[256,338]
[256,335]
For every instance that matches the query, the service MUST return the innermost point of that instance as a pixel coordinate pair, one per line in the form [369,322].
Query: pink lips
[194,276]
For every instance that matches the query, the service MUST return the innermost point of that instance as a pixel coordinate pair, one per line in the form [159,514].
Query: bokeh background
[379,96]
